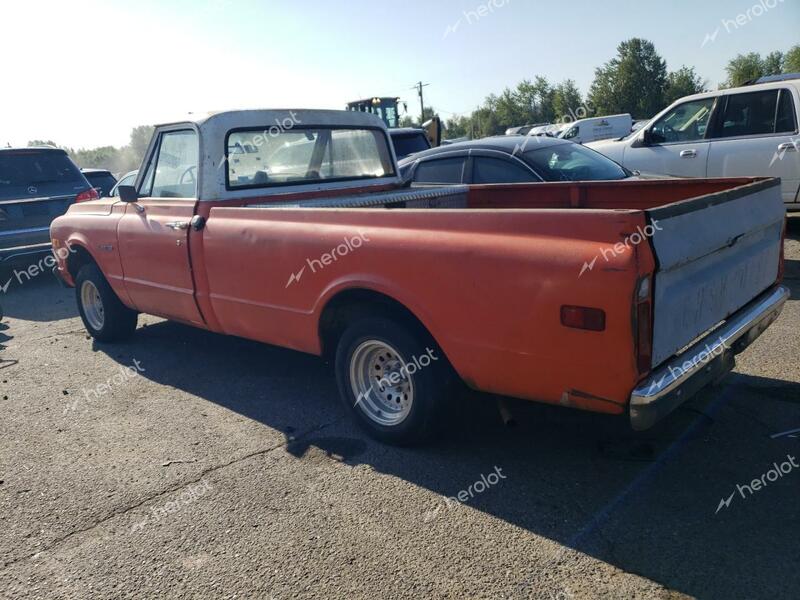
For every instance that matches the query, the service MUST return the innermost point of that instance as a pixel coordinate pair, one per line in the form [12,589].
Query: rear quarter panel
[487,284]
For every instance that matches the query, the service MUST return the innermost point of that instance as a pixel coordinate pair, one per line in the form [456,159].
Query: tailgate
[714,254]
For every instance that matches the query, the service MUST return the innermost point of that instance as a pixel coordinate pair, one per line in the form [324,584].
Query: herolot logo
[778,472]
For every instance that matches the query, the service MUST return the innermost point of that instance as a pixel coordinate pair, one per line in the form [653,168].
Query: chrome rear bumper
[682,376]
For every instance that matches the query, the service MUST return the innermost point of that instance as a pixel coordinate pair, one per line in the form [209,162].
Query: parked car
[408,140]
[128,179]
[547,129]
[36,185]
[509,159]
[597,128]
[451,141]
[522,129]
[621,297]
[744,131]
[102,180]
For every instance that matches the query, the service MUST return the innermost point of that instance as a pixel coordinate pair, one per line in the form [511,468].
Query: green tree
[683,82]
[633,81]
[42,143]
[772,63]
[567,102]
[411,121]
[791,60]
[140,139]
[744,68]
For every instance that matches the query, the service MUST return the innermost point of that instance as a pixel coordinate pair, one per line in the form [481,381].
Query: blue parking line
[650,472]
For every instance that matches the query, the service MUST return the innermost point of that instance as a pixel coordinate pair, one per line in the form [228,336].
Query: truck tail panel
[714,254]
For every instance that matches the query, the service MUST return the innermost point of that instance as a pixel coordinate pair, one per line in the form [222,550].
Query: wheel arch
[79,256]
[351,303]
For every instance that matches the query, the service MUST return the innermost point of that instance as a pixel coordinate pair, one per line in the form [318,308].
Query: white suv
[745,131]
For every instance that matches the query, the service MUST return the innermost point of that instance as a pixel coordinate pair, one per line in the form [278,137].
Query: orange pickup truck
[294,228]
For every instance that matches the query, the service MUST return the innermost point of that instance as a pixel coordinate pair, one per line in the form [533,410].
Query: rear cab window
[263,157]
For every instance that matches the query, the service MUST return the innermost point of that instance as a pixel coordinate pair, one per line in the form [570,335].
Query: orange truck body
[488,280]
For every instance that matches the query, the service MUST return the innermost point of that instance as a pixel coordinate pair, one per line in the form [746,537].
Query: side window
[749,114]
[442,170]
[496,170]
[785,120]
[172,173]
[685,123]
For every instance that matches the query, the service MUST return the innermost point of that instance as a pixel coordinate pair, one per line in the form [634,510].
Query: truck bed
[528,248]
[610,195]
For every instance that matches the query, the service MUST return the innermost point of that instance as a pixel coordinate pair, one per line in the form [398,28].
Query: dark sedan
[510,159]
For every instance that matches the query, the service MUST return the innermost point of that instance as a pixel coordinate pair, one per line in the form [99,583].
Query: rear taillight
[90,194]
[644,325]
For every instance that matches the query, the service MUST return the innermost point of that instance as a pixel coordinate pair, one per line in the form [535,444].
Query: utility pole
[419,87]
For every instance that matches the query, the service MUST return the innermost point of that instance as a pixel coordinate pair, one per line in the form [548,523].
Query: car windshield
[263,158]
[573,162]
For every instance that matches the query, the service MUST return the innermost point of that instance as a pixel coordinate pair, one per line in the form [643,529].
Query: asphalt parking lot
[187,464]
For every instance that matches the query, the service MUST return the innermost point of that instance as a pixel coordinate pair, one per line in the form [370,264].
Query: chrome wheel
[381,383]
[92,305]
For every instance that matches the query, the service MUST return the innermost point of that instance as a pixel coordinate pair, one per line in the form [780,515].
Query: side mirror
[647,137]
[127,193]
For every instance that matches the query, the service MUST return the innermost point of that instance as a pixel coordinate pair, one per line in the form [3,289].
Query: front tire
[103,314]
[392,379]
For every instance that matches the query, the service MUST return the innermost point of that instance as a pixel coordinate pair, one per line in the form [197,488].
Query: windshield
[573,162]
[261,158]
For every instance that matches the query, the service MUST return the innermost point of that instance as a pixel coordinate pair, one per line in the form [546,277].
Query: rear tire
[393,379]
[103,314]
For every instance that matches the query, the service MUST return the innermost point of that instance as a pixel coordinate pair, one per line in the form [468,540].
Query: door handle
[787,147]
[177,225]
[689,154]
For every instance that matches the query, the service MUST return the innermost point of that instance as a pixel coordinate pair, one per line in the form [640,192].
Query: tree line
[635,81]
[117,160]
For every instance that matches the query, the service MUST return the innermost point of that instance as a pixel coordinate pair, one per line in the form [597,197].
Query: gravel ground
[187,464]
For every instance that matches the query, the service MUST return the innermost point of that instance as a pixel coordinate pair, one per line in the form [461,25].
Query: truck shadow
[644,503]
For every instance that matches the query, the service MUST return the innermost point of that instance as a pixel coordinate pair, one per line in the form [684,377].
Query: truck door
[757,135]
[678,144]
[154,232]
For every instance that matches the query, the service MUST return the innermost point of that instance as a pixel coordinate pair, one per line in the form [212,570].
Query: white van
[746,131]
[597,128]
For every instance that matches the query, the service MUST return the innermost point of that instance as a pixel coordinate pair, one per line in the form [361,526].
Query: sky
[83,73]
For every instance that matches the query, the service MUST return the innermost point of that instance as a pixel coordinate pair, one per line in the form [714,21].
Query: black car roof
[34,149]
[502,143]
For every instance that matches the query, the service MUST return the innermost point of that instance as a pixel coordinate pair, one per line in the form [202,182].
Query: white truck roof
[213,129]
